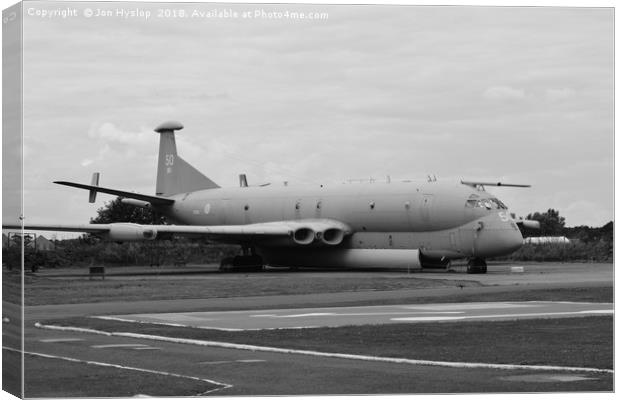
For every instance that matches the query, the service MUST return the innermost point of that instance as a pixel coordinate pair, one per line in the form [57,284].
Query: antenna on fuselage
[243,180]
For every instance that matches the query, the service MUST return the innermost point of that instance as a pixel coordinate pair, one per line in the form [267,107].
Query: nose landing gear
[476,266]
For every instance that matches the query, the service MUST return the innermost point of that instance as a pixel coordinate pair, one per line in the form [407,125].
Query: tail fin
[175,175]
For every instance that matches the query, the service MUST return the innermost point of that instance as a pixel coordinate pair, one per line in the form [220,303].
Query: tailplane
[175,175]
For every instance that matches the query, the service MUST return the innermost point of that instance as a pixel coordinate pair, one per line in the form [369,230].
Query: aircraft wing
[300,232]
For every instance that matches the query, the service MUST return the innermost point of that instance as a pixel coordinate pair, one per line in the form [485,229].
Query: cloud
[559,94]
[371,91]
[504,93]
[110,133]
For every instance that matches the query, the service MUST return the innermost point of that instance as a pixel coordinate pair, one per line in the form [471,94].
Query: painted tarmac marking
[215,328]
[369,314]
[166,323]
[469,306]
[150,371]
[547,378]
[111,346]
[440,318]
[359,315]
[61,340]
[230,362]
[236,346]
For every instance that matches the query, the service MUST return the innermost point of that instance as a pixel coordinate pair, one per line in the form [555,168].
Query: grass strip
[54,377]
[573,342]
[42,290]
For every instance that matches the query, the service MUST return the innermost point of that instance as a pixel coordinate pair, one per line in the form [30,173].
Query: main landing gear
[476,266]
[248,262]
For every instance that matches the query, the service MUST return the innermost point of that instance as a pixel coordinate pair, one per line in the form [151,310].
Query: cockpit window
[489,203]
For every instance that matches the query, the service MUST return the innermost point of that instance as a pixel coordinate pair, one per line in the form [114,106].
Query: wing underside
[301,232]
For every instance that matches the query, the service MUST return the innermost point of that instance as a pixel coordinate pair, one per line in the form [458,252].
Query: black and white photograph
[307,199]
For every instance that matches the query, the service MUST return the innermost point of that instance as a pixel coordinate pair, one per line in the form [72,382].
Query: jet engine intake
[332,236]
[126,232]
[303,236]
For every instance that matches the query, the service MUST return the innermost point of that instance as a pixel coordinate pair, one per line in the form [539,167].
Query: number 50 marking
[169,160]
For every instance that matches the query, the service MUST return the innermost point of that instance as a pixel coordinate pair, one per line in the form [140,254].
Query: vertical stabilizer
[175,175]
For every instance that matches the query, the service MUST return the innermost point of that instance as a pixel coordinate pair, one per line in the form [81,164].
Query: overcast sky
[521,95]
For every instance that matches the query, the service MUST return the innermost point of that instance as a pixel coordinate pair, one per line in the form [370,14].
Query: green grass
[577,342]
[49,377]
[40,290]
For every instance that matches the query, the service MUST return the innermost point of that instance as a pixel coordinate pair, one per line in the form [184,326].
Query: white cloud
[504,93]
[559,94]
[108,132]
[371,91]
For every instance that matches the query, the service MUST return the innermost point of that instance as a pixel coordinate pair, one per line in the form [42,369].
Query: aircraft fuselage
[433,218]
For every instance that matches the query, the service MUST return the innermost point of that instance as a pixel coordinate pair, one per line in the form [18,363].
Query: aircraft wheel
[227,264]
[242,263]
[476,266]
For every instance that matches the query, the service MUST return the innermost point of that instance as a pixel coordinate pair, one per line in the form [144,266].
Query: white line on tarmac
[150,371]
[236,346]
[440,318]
[215,328]
[105,346]
[230,362]
[60,340]
[368,314]
[166,323]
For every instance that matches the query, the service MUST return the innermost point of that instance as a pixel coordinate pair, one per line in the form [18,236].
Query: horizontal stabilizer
[151,199]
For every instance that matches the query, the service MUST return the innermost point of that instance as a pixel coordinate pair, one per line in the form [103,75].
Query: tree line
[586,243]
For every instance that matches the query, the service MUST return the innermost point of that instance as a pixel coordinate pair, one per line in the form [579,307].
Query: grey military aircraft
[393,224]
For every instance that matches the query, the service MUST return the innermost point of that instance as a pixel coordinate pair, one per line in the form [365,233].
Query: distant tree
[16,241]
[116,211]
[551,224]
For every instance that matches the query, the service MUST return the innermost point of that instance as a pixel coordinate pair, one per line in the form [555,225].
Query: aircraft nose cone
[499,242]
[512,240]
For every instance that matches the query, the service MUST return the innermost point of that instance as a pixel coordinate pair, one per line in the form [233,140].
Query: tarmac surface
[299,318]
[246,371]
